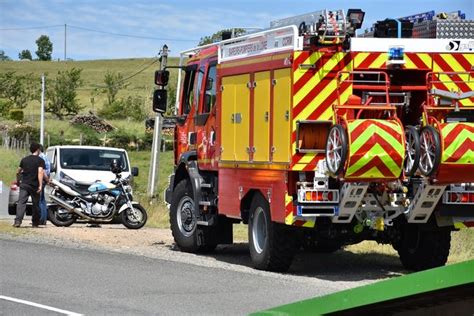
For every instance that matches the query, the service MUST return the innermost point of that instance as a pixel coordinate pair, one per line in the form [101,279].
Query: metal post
[155,150]
[65,55]
[42,110]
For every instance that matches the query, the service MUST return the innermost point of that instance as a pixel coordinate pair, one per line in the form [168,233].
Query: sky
[179,24]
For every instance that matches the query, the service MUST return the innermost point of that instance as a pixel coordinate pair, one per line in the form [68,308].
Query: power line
[129,35]
[31,27]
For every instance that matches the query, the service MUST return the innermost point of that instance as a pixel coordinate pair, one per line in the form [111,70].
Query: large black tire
[412,151]
[133,220]
[272,245]
[430,151]
[60,217]
[183,222]
[336,150]
[423,249]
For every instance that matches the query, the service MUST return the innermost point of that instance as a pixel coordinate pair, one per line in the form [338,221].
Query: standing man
[42,204]
[31,170]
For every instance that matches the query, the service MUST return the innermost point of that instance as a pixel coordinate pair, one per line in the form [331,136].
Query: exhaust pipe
[77,211]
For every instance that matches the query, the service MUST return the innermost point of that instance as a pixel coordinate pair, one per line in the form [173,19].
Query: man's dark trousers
[25,192]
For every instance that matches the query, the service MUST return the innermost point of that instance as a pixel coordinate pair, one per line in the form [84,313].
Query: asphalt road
[95,282]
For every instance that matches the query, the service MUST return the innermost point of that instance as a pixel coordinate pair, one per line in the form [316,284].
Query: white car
[79,166]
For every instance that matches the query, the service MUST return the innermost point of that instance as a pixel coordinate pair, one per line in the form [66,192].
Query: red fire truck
[317,138]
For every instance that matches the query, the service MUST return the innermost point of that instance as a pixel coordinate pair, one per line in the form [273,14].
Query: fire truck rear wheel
[183,221]
[424,249]
[430,151]
[272,246]
[336,150]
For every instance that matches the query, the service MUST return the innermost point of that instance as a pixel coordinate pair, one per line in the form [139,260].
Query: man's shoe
[16,225]
[34,225]
[42,223]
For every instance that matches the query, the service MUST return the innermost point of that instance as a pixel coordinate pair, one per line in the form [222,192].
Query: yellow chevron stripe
[320,98]
[289,219]
[378,63]
[451,61]
[329,113]
[372,173]
[382,154]
[317,78]
[427,60]
[456,144]
[359,59]
[364,138]
[312,59]
[456,67]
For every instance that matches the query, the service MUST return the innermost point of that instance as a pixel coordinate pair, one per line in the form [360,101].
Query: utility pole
[65,55]
[153,175]
[42,109]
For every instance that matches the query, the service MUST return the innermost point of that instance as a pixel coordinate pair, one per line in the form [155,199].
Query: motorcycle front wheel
[60,217]
[134,218]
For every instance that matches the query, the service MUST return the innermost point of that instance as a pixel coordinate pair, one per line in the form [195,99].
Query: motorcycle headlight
[64,178]
[128,189]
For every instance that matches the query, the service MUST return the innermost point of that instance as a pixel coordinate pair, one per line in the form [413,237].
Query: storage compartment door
[242,117]
[261,121]
[235,118]
[281,115]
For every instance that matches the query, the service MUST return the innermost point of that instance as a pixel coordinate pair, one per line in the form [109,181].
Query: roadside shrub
[122,139]
[19,131]
[17,115]
[89,136]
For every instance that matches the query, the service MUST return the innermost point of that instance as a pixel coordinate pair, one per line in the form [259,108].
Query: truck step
[205,203]
[206,185]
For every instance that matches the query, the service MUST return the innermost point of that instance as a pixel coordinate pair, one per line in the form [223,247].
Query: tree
[45,48]
[218,36]
[3,57]
[19,89]
[25,54]
[62,93]
[113,83]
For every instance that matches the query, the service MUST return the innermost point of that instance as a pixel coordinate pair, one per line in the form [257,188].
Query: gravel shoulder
[341,270]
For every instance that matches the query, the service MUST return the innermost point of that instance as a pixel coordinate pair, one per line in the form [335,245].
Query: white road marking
[54,309]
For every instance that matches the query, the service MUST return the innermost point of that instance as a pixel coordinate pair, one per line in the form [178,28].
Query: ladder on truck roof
[330,27]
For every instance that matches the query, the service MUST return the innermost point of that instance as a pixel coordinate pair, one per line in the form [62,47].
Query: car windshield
[91,159]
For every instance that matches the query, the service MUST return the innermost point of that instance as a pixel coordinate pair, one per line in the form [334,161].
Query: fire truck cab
[317,138]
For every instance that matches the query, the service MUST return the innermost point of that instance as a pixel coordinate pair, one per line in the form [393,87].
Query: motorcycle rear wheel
[134,219]
[60,217]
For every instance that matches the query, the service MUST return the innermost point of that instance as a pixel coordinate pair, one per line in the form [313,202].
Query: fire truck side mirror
[160,98]
[162,77]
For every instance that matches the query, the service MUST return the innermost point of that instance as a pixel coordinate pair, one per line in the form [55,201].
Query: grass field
[93,72]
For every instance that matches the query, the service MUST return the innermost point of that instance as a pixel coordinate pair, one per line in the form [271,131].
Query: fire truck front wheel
[183,221]
[272,245]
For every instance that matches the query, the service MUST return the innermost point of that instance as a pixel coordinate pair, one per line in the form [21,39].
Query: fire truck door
[281,115]
[235,118]
[186,112]
[261,121]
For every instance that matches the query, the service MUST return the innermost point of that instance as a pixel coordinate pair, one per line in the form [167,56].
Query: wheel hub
[185,216]
[259,230]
